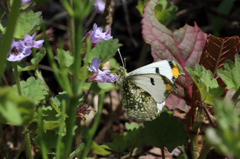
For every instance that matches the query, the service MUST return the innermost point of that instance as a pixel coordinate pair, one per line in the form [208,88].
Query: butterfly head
[122,73]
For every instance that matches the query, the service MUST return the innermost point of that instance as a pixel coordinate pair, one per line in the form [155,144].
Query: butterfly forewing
[167,68]
[158,86]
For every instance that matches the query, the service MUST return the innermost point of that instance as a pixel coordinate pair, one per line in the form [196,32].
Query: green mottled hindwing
[138,103]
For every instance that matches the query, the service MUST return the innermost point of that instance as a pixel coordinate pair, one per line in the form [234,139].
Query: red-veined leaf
[184,46]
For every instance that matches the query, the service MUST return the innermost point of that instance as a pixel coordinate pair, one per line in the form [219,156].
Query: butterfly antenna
[121,58]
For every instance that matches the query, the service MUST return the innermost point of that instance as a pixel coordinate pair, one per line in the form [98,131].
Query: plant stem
[26,135]
[208,116]
[236,95]
[20,150]
[2,143]
[16,76]
[7,38]
[194,141]
[163,154]
[72,31]
[205,151]
[94,127]
[28,144]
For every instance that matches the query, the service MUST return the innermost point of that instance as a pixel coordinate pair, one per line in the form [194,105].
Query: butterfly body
[144,90]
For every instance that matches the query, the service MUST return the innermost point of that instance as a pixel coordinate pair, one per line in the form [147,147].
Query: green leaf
[163,14]
[140,5]
[49,125]
[133,125]
[230,74]
[99,150]
[79,149]
[27,23]
[57,104]
[114,63]
[164,131]
[40,77]
[50,140]
[104,50]
[226,137]
[67,57]
[35,61]
[15,110]
[126,143]
[207,85]
[33,89]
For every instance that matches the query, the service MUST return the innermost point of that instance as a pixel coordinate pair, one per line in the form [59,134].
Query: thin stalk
[7,38]
[20,150]
[16,76]
[28,144]
[2,143]
[72,105]
[205,151]
[208,116]
[94,127]
[194,141]
[163,154]
[26,135]
[40,134]
[72,31]
[236,95]
[61,127]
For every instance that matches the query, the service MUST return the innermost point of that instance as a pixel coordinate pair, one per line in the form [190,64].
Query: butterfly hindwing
[138,103]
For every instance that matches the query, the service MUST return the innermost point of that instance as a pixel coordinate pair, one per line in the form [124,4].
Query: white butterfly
[145,89]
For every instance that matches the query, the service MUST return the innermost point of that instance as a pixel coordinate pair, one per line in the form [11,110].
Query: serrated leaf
[183,45]
[104,50]
[164,131]
[67,57]
[99,150]
[49,125]
[27,23]
[33,89]
[133,125]
[57,104]
[230,74]
[207,85]
[40,77]
[15,110]
[226,137]
[35,61]
[126,143]
[50,140]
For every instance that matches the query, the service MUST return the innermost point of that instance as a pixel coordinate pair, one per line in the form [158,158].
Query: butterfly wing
[138,103]
[158,86]
[167,68]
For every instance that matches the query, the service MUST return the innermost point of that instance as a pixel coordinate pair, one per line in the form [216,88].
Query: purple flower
[22,48]
[100,76]
[99,6]
[97,35]
[23,2]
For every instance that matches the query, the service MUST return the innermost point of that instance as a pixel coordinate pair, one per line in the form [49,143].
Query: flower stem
[205,151]
[16,75]
[3,149]
[92,131]
[28,144]
[27,139]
